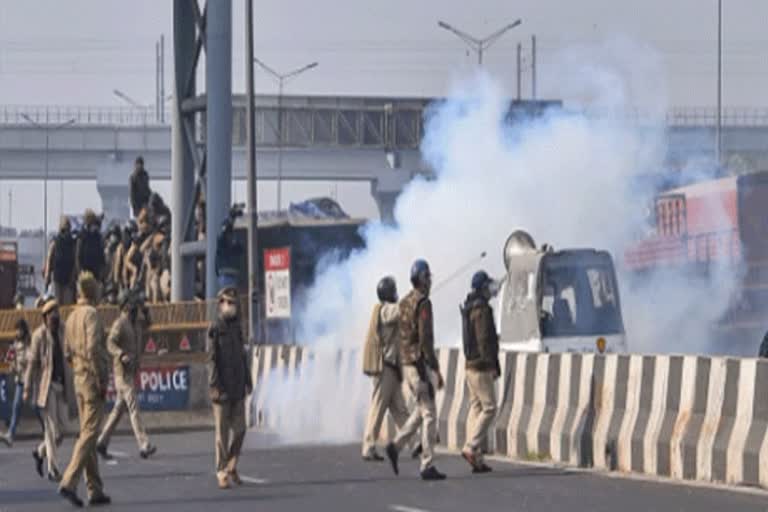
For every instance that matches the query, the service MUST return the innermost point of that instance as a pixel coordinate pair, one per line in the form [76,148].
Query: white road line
[119,455]
[251,480]
[401,508]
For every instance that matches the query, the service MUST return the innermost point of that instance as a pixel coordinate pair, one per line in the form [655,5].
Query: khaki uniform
[228,380]
[123,340]
[482,369]
[86,350]
[50,390]
[417,352]
[387,383]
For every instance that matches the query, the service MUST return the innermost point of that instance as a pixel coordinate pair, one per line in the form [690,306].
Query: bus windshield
[579,295]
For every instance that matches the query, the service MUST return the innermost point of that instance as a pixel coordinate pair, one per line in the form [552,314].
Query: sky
[77,52]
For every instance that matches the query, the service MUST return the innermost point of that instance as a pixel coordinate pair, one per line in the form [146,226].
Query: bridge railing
[84,115]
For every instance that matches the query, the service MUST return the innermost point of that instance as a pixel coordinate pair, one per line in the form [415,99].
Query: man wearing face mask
[417,352]
[481,352]
[229,383]
[46,371]
[90,246]
[124,346]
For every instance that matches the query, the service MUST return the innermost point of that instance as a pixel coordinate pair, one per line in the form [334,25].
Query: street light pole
[254,310]
[282,79]
[719,127]
[479,45]
[47,129]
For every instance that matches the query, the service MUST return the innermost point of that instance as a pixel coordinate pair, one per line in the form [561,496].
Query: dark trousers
[18,402]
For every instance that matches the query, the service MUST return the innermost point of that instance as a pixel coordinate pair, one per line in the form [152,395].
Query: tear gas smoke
[568,179]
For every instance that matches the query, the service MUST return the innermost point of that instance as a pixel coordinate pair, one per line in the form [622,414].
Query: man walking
[46,371]
[229,383]
[481,351]
[381,362]
[20,351]
[87,353]
[417,352]
[124,346]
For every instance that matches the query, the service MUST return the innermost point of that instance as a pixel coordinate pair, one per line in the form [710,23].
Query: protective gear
[387,290]
[91,250]
[227,310]
[480,280]
[479,336]
[420,273]
[64,256]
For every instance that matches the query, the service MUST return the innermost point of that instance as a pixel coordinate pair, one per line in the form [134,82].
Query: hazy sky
[77,51]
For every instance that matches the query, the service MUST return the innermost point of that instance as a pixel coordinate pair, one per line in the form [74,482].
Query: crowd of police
[400,347]
[133,257]
[83,347]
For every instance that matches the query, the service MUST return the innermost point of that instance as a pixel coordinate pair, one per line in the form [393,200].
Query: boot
[393,456]
[431,473]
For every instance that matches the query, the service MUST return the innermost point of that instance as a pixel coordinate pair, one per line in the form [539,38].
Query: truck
[710,226]
[9,269]
[558,301]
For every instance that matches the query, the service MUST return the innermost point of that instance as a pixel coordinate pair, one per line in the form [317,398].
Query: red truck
[716,222]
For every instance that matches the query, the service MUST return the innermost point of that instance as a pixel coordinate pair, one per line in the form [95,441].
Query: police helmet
[419,272]
[480,280]
[387,289]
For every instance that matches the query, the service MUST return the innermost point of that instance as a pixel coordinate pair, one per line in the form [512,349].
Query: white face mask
[227,311]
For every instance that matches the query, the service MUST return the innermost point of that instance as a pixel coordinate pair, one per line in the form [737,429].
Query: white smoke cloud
[568,179]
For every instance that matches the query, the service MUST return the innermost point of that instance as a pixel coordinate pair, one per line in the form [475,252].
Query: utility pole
[519,70]
[157,80]
[10,207]
[719,127]
[282,79]
[479,45]
[161,99]
[533,67]
[254,309]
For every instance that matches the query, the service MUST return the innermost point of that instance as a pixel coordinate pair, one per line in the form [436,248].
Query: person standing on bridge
[60,264]
[381,362]
[417,352]
[230,383]
[139,187]
[124,346]
[87,353]
[481,352]
[46,371]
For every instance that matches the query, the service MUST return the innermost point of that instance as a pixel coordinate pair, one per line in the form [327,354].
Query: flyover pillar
[386,189]
[113,188]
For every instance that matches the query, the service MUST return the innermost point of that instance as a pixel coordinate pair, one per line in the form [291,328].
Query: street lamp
[282,79]
[47,128]
[479,45]
[144,109]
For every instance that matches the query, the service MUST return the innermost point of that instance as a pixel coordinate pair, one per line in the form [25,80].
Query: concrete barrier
[683,417]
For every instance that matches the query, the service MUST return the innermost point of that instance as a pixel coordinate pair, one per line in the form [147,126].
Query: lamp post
[47,128]
[282,79]
[479,45]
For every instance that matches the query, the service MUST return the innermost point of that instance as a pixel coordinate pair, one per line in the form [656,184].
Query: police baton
[459,272]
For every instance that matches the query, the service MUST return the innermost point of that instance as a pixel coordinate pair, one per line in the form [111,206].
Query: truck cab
[559,301]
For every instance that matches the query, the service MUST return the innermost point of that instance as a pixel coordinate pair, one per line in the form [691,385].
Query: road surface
[333,478]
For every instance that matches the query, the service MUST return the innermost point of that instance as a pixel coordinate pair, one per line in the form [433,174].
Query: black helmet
[387,290]
[480,280]
[419,272]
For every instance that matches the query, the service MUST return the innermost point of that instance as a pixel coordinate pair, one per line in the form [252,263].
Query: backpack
[64,259]
[92,252]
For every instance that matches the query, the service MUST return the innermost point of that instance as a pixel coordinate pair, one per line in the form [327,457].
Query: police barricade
[682,417]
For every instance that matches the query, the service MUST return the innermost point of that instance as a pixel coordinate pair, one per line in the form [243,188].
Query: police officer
[417,352]
[90,246]
[87,353]
[229,383]
[139,187]
[46,371]
[381,362]
[60,264]
[481,352]
[124,346]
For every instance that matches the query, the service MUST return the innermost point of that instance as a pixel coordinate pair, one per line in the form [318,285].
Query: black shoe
[482,468]
[393,455]
[71,497]
[148,452]
[101,449]
[101,499]
[416,453]
[471,460]
[431,473]
[373,457]
[54,476]
[38,463]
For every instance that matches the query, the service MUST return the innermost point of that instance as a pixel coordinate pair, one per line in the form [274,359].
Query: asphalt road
[333,478]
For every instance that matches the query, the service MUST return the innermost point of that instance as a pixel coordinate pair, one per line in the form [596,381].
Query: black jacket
[227,360]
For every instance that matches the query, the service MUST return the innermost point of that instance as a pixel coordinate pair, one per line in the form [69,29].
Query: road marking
[402,508]
[111,463]
[251,480]
[120,455]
